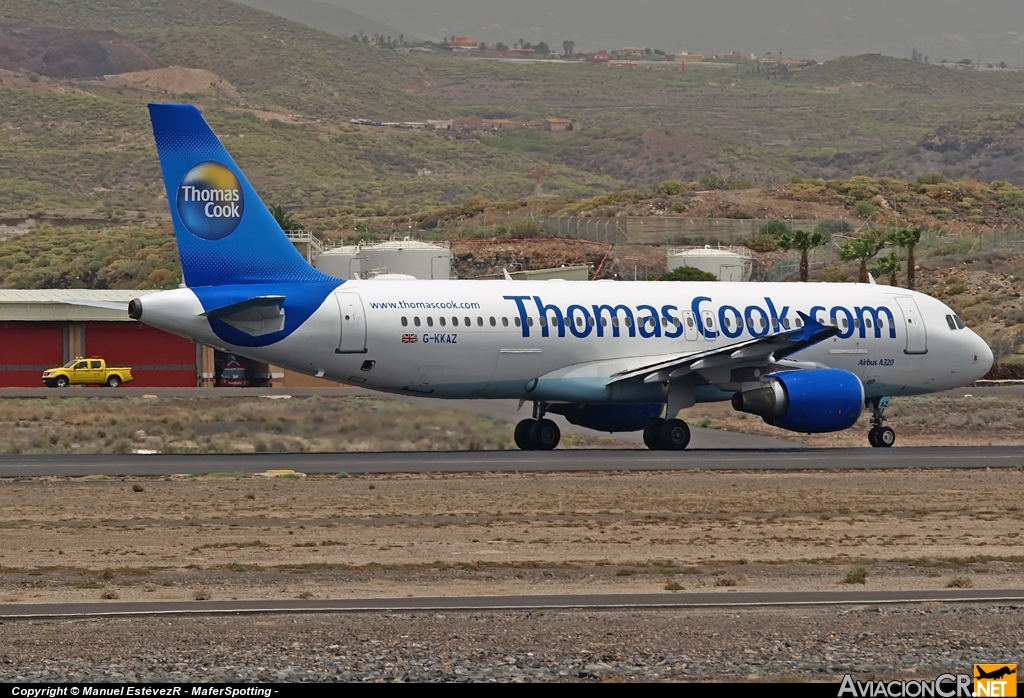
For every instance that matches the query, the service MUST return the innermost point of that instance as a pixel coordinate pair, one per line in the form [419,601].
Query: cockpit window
[959,323]
[950,322]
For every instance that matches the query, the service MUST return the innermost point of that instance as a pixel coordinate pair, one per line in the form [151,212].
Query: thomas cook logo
[995,680]
[210,201]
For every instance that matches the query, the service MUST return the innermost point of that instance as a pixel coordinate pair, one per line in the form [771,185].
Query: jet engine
[809,401]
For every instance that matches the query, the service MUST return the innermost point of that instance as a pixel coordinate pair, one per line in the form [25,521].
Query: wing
[715,363]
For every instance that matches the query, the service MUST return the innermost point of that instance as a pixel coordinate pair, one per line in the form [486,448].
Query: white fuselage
[487,339]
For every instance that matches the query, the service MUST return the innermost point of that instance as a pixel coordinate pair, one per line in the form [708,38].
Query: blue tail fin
[225,233]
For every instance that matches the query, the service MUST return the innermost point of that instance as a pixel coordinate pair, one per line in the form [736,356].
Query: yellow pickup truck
[91,371]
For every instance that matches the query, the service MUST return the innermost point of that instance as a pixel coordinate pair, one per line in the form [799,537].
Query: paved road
[515,461]
[478,603]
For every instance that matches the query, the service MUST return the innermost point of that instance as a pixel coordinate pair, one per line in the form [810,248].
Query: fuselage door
[353,324]
[917,334]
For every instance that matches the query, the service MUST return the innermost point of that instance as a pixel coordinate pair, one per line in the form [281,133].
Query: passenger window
[707,322]
[493,323]
[590,321]
[785,322]
[664,321]
[604,322]
[799,322]
[856,323]
[867,322]
[689,321]
[543,322]
[430,321]
[416,321]
[529,321]
[629,322]
[469,323]
[675,321]
[519,323]
[615,321]
[455,321]
[579,321]
[441,320]
[504,321]
[845,324]
[959,323]
[764,323]
[405,321]
[949,321]
[479,321]
[775,323]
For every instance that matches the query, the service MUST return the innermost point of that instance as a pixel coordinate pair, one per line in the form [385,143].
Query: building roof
[66,304]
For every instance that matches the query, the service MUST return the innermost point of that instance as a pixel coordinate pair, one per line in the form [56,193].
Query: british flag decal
[410,338]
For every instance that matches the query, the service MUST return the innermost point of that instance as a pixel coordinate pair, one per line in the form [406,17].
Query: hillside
[327,17]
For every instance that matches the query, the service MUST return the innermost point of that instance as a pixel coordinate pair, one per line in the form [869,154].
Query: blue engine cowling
[810,401]
[609,418]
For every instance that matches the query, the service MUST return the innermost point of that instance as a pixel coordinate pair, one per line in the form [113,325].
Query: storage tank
[423,260]
[726,263]
[340,262]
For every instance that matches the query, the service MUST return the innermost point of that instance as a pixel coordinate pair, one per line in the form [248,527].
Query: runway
[506,603]
[514,461]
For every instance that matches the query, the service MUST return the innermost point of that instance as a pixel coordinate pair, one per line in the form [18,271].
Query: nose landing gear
[537,434]
[880,436]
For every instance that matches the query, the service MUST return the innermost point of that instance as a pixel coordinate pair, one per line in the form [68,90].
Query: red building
[40,329]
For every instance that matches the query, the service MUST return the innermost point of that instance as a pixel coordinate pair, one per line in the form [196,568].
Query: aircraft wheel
[652,431]
[873,437]
[674,435]
[522,434]
[886,437]
[544,435]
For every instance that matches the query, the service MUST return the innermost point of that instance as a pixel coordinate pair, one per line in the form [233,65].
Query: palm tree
[862,248]
[284,218]
[889,264]
[908,239]
[805,242]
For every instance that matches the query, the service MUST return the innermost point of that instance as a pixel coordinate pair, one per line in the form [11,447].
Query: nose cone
[982,357]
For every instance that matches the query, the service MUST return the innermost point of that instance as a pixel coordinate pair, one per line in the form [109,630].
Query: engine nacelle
[811,401]
[609,418]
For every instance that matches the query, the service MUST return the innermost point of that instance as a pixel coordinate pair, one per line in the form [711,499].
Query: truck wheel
[113,381]
[61,382]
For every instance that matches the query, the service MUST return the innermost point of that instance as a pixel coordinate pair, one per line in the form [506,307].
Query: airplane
[995,673]
[607,355]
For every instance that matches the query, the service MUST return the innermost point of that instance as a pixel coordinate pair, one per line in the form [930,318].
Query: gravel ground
[813,644]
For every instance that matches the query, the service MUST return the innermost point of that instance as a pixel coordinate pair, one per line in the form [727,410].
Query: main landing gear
[880,436]
[666,434]
[537,434]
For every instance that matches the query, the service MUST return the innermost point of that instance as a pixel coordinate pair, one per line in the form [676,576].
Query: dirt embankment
[70,53]
[176,80]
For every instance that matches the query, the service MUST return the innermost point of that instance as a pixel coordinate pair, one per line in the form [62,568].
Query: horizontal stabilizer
[255,316]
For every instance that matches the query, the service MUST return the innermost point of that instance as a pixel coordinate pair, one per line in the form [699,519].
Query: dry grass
[245,425]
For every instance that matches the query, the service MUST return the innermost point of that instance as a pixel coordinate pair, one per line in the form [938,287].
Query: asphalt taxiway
[514,461]
[505,603]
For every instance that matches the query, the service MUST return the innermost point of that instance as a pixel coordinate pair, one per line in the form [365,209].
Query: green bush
[762,243]
[687,274]
[774,228]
